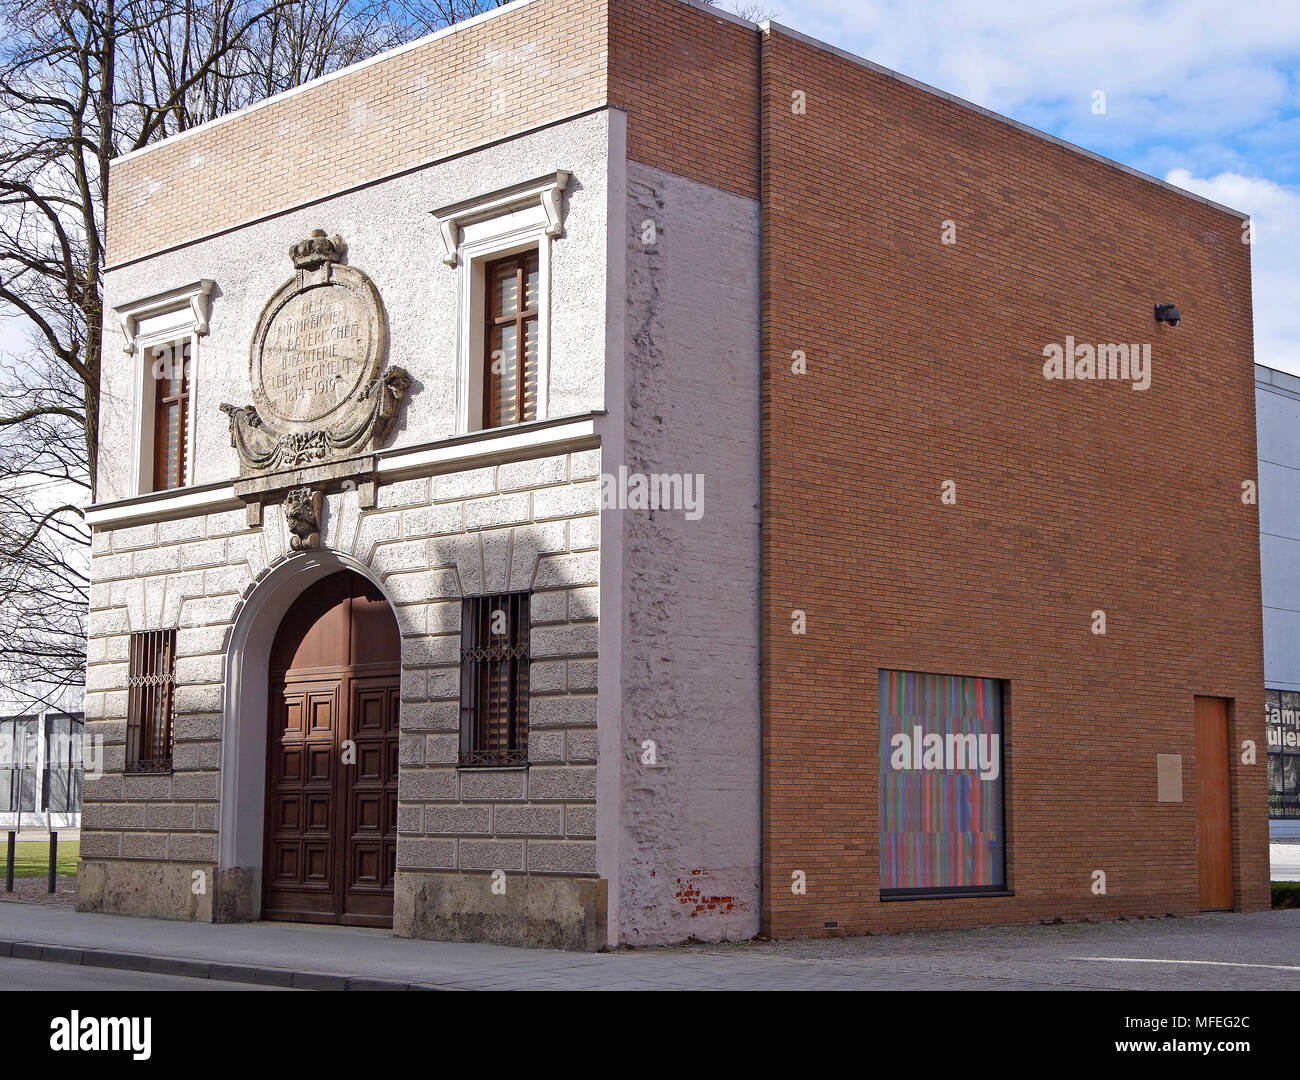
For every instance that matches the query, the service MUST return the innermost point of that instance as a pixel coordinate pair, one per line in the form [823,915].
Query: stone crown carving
[316,249]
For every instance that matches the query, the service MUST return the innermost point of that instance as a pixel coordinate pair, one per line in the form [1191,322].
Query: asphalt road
[39,975]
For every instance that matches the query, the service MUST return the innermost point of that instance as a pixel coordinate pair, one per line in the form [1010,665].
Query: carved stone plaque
[319,339]
[321,406]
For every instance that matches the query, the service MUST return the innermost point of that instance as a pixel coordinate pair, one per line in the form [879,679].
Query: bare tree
[82,81]
[751,12]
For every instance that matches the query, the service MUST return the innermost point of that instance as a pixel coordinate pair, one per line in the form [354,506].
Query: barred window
[494,680]
[151,702]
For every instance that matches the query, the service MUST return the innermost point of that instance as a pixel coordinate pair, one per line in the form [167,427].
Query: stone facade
[442,514]
[530,525]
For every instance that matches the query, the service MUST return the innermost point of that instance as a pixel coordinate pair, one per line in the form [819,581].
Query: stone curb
[200,969]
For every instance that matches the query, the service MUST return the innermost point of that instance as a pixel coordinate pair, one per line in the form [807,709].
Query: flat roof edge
[360,65]
[769,25]
[766,27]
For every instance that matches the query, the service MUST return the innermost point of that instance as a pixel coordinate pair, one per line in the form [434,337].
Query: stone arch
[243,737]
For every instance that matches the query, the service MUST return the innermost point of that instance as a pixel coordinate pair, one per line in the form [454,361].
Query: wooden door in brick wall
[1213,804]
[332,747]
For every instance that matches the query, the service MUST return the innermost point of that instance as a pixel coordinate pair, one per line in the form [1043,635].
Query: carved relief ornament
[320,395]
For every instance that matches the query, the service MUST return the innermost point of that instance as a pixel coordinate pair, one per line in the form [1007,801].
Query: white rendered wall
[689,848]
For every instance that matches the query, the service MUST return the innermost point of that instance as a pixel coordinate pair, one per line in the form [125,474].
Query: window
[61,789]
[941,785]
[18,752]
[150,703]
[501,243]
[170,369]
[510,339]
[494,680]
[1282,730]
[162,333]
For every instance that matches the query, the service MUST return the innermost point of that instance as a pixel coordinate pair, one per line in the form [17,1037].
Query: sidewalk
[1259,951]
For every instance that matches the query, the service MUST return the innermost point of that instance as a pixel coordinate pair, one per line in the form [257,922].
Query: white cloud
[1181,65]
[1275,268]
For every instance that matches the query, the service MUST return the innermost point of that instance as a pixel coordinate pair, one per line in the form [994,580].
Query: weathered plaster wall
[391,236]
[689,850]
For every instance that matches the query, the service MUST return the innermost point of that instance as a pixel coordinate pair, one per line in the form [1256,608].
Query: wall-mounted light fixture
[1168,313]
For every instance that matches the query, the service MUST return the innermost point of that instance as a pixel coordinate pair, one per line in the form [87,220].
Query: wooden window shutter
[170,369]
[511,341]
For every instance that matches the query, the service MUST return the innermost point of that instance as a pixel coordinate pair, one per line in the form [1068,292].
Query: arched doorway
[331,765]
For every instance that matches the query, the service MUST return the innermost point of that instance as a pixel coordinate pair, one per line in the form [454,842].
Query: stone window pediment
[196,298]
[546,192]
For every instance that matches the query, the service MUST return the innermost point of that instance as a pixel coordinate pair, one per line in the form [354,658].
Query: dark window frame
[19,780]
[169,458]
[151,701]
[519,319]
[494,681]
[68,772]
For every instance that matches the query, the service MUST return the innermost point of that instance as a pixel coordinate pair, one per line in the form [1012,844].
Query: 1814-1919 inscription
[316,352]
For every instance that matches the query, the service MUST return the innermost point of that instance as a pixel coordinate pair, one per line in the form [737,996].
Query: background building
[1277,410]
[41,724]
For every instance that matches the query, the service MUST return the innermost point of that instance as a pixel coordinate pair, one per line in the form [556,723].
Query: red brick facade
[925,365]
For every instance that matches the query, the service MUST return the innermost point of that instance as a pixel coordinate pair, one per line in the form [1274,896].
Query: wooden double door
[332,750]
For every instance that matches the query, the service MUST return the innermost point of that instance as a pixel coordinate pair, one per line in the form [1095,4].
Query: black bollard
[9,862]
[54,860]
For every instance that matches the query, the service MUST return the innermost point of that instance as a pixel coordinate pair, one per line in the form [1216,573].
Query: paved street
[1259,951]
[37,975]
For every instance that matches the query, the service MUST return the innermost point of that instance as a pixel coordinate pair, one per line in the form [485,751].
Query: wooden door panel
[300,797]
[1213,803]
[285,861]
[331,824]
[372,818]
[288,817]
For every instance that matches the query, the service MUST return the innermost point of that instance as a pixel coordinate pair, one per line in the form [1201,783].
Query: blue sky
[1202,93]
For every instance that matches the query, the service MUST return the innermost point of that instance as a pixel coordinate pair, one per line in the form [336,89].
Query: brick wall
[528,65]
[688,79]
[925,365]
